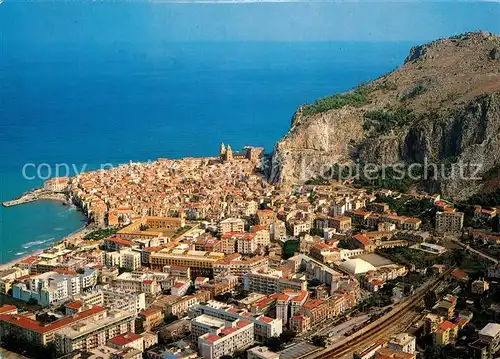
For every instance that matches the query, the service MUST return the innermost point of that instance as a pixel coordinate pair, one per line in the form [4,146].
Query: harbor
[35,195]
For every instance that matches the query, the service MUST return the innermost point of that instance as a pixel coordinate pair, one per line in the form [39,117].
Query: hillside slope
[442,105]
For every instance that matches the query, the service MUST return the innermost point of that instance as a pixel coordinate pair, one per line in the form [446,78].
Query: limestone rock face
[452,89]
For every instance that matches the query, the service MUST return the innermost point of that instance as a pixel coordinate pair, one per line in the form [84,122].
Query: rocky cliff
[442,106]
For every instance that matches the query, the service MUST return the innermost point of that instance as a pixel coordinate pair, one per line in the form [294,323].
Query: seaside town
[204,258]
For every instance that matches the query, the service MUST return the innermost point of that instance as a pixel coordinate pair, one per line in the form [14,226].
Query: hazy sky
[101,21]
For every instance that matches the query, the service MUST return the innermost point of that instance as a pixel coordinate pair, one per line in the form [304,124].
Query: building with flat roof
[226,340]
[48,288]
[431,247]
[402,342]
[35,332]
[272,281]
[490,335]
[206,324]
[89,334]
[449,221]
[200,262]
[261,353]
[231,225]
[265,327]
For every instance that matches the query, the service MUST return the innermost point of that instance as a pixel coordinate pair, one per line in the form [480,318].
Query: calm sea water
[92,102]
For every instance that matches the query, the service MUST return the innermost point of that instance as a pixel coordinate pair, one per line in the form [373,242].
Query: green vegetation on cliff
[490,199]
[381,122]
[356,98]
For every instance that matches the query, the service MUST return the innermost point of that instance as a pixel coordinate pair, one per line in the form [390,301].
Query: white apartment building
[91,334]
[272,281]
[251,208]
[278,231]
[205,324]
[246,244]
[300,226]
[449,221]
[48,288]
[265,327]
[114,298]
[126,258]
[89,278]
[139,282]
[402,342]
[240,266]
[226,340]
[231,225]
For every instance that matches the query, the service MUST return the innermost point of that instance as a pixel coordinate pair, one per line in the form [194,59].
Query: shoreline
[35,195]
[76,234]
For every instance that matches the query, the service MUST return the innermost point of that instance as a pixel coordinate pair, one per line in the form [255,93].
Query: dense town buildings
[207,246]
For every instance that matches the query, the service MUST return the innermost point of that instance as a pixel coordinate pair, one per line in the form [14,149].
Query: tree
[356,356]
[319,340]
[170,318]
[191,290]
[430,299]
[274,344]
[287,335]
[226,357]
[80,271]
[290,247]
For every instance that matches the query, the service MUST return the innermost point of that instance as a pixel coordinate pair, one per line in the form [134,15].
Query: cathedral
[250,153]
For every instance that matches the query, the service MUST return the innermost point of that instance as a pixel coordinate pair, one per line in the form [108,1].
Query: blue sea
[86,84]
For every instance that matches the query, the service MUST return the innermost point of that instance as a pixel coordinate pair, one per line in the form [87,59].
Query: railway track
[381,328]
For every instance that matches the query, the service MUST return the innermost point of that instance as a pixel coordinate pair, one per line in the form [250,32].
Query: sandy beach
[78,234]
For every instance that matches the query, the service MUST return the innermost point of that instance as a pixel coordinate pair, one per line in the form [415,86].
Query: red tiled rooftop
[36,326]
[362,238]
[29,260]
[120,241]
[313,303]
[412,220]
[65,271]
[228,330]
[265,319]
[74,305]
[149,311]
[445,326]
[458,273]
[152,249]
[125,339]
[7,308]
[212,338]
[243,323]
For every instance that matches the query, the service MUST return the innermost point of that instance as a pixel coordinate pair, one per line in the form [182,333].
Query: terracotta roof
[36,326]
[265,319]
[446,325]
[7,308]
[228,330]
[118,240]
[28,260]
[212,338]
[362,238]
[459,274]
[149,311]
[243,323]
[313,303]
[125,339]
[74,305]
